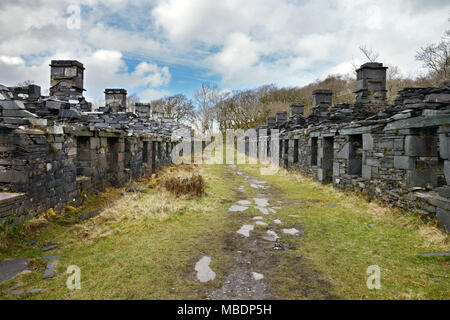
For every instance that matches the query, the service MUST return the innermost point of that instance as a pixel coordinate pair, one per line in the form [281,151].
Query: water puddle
[271,236]
[277,221]
[291,232]
[258,276]
[237,208]
[261,202]
[204,272]
[263,210]
[245,230]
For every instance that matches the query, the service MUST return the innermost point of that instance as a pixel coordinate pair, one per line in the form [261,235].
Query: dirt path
[256,246]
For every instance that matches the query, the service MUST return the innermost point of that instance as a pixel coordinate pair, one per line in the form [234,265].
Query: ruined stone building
[397,153]
[54,149]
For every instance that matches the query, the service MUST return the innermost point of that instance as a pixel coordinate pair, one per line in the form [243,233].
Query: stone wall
[54,150]
[397,153]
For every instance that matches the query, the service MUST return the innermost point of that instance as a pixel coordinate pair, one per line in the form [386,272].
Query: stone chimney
[271,121]
[142,110]
[66,79]
[296,109]
[322,97]
[116,100]
[281,117]
[371,83]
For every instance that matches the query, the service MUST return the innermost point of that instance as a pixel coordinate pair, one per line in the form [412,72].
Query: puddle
[259,182]
[263,210]
[245,230]
[292,231]
[237,208]
[271,236]
[258,276]
[261,202]
[257,186]
[204,272]
[244,202]
[261,223]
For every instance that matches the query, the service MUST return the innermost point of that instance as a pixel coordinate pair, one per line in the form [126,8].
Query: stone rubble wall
[397,153]
[55,150]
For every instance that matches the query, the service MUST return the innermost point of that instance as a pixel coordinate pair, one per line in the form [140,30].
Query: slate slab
[9,269]
[50,247]
[50,270]
[435,254]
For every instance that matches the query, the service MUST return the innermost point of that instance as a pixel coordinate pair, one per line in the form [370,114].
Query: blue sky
[164,47]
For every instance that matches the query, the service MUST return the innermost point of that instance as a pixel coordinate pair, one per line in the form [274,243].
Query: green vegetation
[145,245]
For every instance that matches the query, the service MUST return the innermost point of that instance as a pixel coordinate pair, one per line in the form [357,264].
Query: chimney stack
[116,100]
[66,79]
[296,109]
[371,83]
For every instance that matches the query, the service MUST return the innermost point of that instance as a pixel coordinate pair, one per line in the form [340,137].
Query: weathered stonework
[54,149]
[399,154]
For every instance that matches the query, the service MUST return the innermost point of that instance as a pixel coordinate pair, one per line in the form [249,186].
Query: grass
[341,242]
[144,245]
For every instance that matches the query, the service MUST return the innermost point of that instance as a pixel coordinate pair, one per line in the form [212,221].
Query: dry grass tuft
[194,185]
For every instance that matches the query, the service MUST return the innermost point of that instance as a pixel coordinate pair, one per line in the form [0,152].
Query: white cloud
[245,43]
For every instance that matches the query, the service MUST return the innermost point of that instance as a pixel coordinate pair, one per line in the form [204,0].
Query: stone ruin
[397,153]
[54,149]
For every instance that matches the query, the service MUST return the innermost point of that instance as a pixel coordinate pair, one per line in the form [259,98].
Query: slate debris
[50,270]
[52,247]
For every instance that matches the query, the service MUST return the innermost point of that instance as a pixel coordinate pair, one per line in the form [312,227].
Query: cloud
[136,44]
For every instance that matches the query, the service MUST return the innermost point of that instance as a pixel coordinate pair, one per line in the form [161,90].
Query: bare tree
[176,107]
[436,59]
[206,98]
[369,53]
[25,83]
[131,101]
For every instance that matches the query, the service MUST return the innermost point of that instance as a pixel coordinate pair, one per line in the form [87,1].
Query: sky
[155,48]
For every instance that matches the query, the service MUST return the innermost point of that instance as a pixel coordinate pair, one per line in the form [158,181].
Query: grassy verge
[342,241]
[143,246]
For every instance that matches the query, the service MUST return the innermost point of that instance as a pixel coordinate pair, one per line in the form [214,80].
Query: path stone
[263,210]
[245,230]
[272,210]
[244,202]
[435,254]
[204,272]
[261,223]
[258,186]
[271,236]
[261,202]
[52,258]
[277,221]
[17,292]
[258,218]
[9,269]
[291,231]
[257,276]
[237,208]
[55,246]
[50,270]
[35,290]
[332,205]
[259,182]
